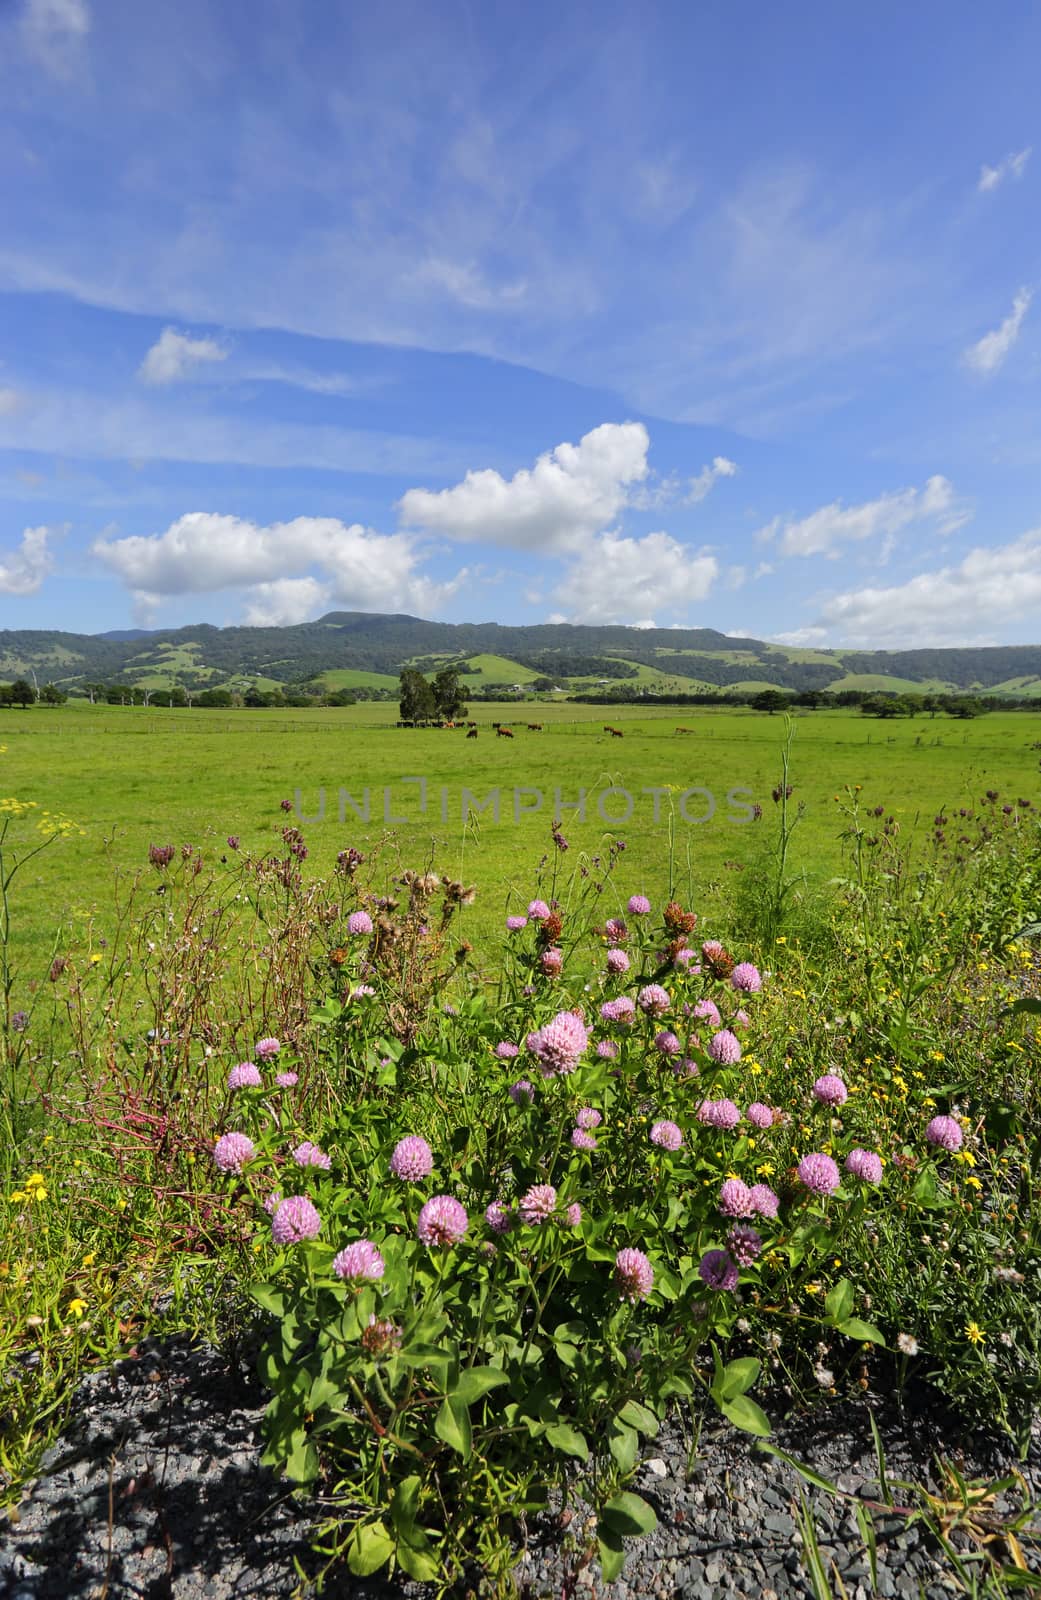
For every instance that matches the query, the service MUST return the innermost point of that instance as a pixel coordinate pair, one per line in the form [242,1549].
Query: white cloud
[1013,166]
[988,355]
[287,567]
[55,32]
[466,283]
[10,401]
[571,492]
[707,477]
[287,600]
[973,602]
[616,579]
[332,383]
[800,638]
[174,355]
[159,427]
[835,524]
[23,570]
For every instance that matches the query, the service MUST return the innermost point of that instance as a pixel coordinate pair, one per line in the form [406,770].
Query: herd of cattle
[502,732]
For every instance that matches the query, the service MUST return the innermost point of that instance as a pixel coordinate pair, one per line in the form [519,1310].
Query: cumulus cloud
[834,525]
[972,602]
[708,477]
[572,492]
[1013,166]
[988,355]
[174,355]
[286,600]
[55,32]
[801,638]
[286,570]
[23,570]
[617,579]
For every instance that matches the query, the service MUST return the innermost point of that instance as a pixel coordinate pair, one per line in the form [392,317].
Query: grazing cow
[608,728]
[503,733]
[616,733]
[496,726]
[471,733]
[533,727]
[684,730]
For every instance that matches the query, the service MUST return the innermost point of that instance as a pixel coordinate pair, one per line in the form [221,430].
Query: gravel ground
[155,1491]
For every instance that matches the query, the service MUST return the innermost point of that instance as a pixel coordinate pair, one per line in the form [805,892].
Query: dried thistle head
[720,962]
[679,920]
[550,928]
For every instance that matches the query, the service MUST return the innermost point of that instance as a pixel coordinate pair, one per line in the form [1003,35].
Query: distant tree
[22,693]
[51,695]
[340,697]
[215,698]
[448,696]
[771,700]
[416,702]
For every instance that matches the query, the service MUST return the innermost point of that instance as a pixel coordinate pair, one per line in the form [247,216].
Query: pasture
[465,1278]
[133,776]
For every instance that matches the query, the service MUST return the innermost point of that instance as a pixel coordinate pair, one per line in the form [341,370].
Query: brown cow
[471,733]
[503,733]
[533,727]
[616,733]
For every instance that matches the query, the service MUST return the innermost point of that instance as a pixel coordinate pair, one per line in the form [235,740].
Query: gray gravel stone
[174,1435]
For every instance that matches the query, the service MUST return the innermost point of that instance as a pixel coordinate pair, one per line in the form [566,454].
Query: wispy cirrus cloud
[1013,166]
[55,34]
[988,355]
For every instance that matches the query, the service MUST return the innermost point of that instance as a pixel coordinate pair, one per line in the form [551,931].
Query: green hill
[348,649]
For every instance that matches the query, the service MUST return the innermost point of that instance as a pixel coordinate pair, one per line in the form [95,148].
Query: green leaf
[1029,1004]
[736,1377]
[427,1355]
[268,1298]
[839,1303]
[474,1382]
[638,1416]
[368,1548]
[422,1565]
[324,1392]
[808,1473]
[567,1439]
[629,1513]
[301,1459]
[452,1426]
[855,1328]
[404,1505]
[612,1555]
[745,1414]
[624,1445]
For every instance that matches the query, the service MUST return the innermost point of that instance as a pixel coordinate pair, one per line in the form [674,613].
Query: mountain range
[365,652]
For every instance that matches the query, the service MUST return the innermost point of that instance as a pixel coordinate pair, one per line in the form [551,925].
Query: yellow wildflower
[89,1259]
[77,1307]
[974,1333]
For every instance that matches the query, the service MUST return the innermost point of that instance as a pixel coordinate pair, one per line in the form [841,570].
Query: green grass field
[134,776]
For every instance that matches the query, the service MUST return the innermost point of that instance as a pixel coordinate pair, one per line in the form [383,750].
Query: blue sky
[707,315]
